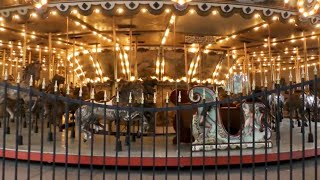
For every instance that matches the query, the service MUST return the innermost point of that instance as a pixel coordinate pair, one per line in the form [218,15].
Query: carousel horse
[310,105]
[32,70]
[214,131]
[275,104]
[54,110]
[91,116]
[294,103]
[184,117]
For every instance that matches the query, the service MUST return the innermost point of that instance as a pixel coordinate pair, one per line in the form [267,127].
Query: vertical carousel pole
[101,78]
[228,59]
[270,56]
[186,62]
[253,72]
[24,47]
[40,55]
[54,66]
[3,62]
[29,60]
[246,70]
[50,56]
[130,53]
[199,64]
[253,78]
[305,56]
[280,69]
[11,60]
[297,67]
[162,64]
[135,60]
[115,54]
[66,63]
[16,66]
[73,58]
[261,75]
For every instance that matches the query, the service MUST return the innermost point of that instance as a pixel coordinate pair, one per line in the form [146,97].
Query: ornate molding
[157,7]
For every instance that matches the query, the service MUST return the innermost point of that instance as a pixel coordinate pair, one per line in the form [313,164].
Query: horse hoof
[12,120]
[174,141]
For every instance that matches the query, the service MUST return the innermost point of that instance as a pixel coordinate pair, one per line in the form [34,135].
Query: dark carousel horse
[184,117]
[16,105]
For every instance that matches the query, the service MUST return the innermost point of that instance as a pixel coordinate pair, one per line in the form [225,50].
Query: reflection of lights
[120,10]
[181,2]
[143,10]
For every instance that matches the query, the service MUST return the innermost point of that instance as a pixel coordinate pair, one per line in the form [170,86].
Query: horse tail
[197,94]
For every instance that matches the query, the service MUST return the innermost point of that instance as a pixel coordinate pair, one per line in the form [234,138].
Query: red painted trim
[159,161]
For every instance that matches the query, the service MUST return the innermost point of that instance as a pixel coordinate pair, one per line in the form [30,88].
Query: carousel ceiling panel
[214,25]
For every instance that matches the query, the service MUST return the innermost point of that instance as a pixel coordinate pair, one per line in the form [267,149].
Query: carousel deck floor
[145,157]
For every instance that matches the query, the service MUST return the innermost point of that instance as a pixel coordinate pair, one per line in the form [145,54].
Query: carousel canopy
[195,41]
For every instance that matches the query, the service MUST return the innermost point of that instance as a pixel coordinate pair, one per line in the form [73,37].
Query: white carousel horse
[310,103]
[207,133]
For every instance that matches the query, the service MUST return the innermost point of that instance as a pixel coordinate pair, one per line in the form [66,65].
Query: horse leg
[73,132]
[310,135]
[36,128]
[11,117]
[297,117]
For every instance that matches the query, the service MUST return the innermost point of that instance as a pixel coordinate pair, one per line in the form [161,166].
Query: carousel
[159,83]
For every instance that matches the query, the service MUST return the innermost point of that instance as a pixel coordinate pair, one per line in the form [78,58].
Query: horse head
[60,79]
[136,90]
[34,70]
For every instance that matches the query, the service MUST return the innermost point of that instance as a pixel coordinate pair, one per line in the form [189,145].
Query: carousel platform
[153,150]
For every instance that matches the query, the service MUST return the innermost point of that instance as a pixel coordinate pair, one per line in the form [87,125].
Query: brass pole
[228,58]
[246,70]
[162,64]
[66,64]
[16,66]
[136,59]
[29,61]
[73,59]
[130,53]
[261,75]
[11,60]
[50,56]
[186,62]
[40,55]
[53,66]
[24,47]
[115,53]
[297,67]
[3,62]
[270,56]
[305,57]
[66,60]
